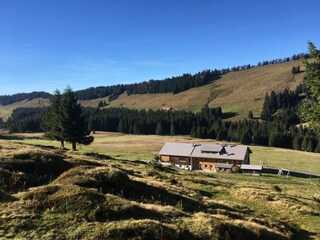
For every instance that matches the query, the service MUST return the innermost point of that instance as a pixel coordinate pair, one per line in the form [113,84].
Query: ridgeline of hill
[236,92]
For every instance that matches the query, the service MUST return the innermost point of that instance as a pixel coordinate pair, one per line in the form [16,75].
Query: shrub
[156,165]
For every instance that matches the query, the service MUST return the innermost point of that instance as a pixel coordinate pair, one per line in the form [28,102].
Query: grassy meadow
[145,147]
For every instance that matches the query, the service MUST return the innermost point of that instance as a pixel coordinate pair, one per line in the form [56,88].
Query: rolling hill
[236,92]
[47,193]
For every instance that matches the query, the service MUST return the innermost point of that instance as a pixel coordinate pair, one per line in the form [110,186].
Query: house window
[205,165]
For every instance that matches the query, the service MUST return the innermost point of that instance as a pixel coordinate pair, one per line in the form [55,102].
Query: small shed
[251,169]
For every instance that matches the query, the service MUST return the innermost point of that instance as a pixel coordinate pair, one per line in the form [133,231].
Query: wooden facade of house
[204,157]
[181,160]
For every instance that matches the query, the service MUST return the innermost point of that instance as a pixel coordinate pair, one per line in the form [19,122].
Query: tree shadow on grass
[228,115]
[142,192]
[305,235]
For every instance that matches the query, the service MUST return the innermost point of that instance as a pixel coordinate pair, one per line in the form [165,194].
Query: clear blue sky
[49,44]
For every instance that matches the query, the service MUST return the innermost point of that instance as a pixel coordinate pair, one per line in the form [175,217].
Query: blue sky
[46,44]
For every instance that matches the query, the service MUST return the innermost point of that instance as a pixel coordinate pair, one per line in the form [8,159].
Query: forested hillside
[9,99]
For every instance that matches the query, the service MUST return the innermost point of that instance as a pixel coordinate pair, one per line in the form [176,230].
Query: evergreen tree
[272,140]
[310,107]
[310,146]
[276,139]
[212,133]
[159,129]
[245,138]
[172,129]
[120,126]
[304,144]
[296,143]
[193,132]
[73,125]
[136,128]
[221,135]
[317,149]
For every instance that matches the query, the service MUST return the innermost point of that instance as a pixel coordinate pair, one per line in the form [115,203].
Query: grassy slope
[245,90]
[84,203]
[236,92]
[5,111]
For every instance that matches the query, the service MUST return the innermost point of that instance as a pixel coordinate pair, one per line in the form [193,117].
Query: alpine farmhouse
[203,156]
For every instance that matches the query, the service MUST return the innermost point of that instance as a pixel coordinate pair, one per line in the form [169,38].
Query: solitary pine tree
[310,107]
[64,121]
[74,126]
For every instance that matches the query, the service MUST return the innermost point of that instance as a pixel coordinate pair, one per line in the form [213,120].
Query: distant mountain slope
[236,92]
[10,99]
[242,91]
[5,111]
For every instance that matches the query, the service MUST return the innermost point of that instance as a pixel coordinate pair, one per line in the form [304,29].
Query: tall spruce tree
[73,122]
[64,121]
[310,107]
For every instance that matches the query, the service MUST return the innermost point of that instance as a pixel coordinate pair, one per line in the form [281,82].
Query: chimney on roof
[223,150]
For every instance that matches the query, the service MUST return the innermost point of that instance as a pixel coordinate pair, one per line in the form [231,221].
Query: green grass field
[145,147]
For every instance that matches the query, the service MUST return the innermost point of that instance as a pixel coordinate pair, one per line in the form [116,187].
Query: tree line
[168,85]
[281,131]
